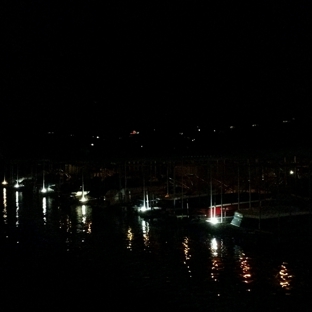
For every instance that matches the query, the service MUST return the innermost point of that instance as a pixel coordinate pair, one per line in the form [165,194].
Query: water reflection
[17,208]
[187,255]
[129,238]
[44,210]
[65,224]
[216,250]
[186,258]
[5,213]
[245,270]
[84,222]
[285,277]
[83,213]
[146,236]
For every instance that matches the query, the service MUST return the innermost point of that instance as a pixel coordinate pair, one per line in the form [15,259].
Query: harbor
[155,157]
[84,257]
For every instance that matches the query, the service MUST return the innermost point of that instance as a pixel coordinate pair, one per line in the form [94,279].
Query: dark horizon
[110,69]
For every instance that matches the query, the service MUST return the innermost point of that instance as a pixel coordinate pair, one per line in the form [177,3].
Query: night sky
[110,64]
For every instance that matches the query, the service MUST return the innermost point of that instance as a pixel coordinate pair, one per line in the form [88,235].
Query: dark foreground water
[55,256]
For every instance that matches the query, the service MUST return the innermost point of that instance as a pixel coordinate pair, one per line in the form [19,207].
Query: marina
[155,157]
[187,234]
[79,255]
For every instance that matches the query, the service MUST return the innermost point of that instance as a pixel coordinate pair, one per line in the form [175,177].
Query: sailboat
[147,207]
[82,195]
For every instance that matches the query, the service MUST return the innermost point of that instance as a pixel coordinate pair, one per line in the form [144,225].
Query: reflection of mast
[17,208]
[5,216]
[44,210]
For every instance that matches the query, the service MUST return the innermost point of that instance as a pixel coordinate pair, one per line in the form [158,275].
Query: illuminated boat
[82,195]
[147,208]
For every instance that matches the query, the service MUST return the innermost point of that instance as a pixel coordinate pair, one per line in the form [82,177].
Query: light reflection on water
[160,253]
[84,220]
[216,251]
[129,238]
[187,255]
[285,276]
[146,236]
[245,267]
[5,212]
[17,208]
[44,210]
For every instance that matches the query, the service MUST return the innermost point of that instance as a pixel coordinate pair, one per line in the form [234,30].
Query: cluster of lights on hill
[163,139]
[186,131]
[175,139]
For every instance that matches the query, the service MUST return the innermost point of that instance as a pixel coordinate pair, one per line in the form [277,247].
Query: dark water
[57,256]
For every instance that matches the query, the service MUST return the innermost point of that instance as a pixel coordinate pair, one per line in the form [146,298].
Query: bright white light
[83,199]
[43,190]
[4,182]
[143,209]
[81,193]
[291,172]
[213,220]
[17,185]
